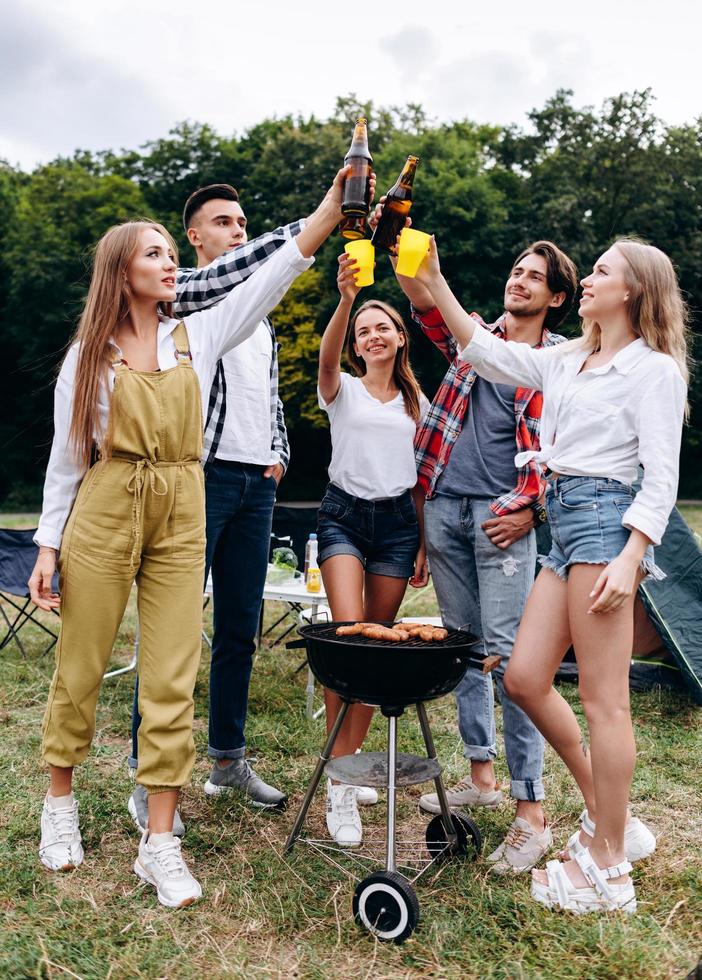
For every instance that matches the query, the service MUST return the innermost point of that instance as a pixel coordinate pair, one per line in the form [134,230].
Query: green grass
[266,915]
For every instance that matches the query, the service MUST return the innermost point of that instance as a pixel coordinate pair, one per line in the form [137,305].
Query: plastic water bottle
[310,551]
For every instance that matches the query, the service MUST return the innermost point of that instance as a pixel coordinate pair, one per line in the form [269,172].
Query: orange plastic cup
[414,245]
[364,253]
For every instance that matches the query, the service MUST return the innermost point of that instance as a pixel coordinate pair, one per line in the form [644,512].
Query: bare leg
[60,780]
[162,808]
[602,645]
[542,639]
[343,582]
[603,650]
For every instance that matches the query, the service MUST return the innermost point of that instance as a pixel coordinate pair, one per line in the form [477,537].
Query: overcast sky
[93,74]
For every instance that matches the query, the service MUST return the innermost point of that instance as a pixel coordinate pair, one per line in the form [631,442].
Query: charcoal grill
[391,676]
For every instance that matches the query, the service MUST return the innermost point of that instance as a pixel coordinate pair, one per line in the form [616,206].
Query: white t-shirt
[372,441]
[246,435]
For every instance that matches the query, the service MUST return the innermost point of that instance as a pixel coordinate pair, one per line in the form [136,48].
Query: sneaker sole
[543,895]
[435,808]
[63,867]
[142,873]
[211,789]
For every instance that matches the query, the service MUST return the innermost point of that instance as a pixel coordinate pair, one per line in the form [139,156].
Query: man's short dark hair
[561,277]
[221,192]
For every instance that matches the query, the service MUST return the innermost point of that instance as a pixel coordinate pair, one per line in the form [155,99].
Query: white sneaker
[343,820]
[366,795]
[162,865]
[464,793]
[639,841]
[60,848]
[521,849]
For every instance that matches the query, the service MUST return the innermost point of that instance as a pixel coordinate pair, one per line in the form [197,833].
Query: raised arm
[235,319]
[333,338]
[197,289]
[504,362]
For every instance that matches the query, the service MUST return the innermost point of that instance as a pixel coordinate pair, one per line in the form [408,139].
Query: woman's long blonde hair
[403,375]
[106,306]
[656,309]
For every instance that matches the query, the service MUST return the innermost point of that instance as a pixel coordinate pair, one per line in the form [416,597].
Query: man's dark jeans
[239,507]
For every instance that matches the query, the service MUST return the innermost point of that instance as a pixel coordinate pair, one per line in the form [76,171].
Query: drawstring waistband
[135,485]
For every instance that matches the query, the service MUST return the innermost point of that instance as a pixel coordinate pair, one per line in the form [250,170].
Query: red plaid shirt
[442,424]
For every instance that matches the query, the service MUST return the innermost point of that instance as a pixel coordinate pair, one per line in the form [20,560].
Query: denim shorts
[382,534]
[585,517]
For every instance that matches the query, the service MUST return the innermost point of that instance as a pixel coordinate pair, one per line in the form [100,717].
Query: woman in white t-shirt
[370,539]
[613,399]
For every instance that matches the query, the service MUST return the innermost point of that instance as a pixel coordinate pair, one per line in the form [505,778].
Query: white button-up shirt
[211,333]
[604,421]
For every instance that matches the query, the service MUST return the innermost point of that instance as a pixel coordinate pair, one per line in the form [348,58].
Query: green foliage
[578,176]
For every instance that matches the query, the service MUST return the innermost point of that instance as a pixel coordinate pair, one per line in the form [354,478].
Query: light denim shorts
[585,516]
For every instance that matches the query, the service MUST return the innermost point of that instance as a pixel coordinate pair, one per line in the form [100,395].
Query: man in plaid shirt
[246,454]
[479,517]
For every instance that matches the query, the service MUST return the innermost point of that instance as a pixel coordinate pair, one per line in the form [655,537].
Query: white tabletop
[293,592]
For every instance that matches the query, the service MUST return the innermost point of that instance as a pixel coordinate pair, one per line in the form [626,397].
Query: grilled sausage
[384,633]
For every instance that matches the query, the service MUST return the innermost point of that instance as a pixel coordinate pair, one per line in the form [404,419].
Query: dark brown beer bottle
[356,201]
[398,202]
[353,227]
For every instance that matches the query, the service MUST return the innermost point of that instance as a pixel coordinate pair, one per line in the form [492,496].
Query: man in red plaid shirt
[479,517]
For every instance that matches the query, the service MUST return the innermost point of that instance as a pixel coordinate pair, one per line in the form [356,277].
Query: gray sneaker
[239,775]
[138,807]
[464,794]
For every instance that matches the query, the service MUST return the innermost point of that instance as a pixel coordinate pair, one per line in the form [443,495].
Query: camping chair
[18,553]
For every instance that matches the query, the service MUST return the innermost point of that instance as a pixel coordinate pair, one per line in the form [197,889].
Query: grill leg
[438,782]
[324,757]
[392,759]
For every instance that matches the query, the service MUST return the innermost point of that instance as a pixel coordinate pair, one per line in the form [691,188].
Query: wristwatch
[540,515]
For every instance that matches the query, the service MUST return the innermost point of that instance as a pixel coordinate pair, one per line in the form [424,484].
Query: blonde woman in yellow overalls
[132,385]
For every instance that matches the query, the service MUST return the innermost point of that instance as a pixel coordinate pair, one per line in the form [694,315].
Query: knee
[610,707]
[522,686]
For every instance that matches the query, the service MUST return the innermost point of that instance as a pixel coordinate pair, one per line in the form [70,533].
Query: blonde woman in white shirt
[370,538]
[613,399]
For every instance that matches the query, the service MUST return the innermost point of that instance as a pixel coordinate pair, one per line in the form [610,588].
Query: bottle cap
[313,537]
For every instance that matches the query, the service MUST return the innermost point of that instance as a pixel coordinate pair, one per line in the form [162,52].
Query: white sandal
[639,842]
[600,896]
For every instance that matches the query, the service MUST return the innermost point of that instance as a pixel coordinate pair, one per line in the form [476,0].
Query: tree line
[579,176]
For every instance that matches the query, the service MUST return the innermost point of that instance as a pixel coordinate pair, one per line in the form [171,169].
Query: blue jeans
[239,507]
[484,587]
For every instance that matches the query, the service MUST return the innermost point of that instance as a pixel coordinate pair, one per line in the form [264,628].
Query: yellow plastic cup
[414,245]
[364,253]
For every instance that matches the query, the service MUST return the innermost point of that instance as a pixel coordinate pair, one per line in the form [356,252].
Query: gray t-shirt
[481,463]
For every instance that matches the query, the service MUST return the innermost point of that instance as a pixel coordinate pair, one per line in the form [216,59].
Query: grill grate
[327,632]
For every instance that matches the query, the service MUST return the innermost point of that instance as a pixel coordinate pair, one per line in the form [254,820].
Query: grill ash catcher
[390,676]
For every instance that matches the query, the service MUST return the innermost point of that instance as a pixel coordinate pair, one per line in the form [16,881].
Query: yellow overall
[139,515]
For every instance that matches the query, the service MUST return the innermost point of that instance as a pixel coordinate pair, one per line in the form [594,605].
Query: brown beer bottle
[397,206]
[356,200]
[353,227]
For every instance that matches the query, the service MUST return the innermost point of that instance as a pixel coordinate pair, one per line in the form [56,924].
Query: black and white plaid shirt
[198,289]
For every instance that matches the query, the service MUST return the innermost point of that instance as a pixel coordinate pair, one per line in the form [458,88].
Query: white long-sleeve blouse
[604,421]
[211,333]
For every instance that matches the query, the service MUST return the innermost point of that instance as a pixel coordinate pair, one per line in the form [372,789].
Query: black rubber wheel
[385,904]
[469,843]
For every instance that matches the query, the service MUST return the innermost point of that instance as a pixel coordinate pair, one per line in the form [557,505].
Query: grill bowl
[387,674]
